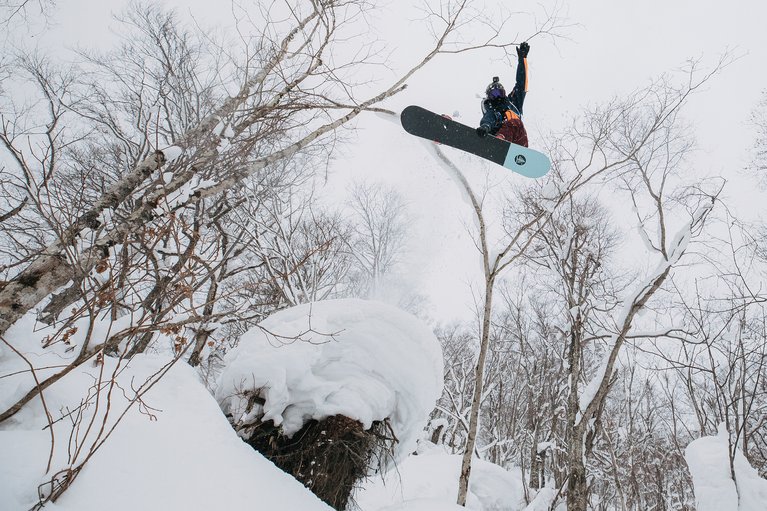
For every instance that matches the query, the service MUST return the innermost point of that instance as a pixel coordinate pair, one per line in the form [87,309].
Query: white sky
[615,47]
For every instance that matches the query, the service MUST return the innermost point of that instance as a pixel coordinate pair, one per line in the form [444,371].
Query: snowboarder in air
[502,113]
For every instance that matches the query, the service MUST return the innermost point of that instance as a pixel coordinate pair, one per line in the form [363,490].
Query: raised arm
[517,95]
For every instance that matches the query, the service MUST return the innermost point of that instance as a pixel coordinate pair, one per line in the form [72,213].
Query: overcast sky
[612,48]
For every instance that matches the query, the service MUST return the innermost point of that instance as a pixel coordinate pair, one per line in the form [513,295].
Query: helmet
[495,90]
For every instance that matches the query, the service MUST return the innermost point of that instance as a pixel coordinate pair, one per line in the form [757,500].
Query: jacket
[503,116]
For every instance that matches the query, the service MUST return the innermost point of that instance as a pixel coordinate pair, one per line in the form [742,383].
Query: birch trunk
[471,440]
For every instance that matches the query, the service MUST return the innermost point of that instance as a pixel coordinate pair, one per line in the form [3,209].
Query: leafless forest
[161,195]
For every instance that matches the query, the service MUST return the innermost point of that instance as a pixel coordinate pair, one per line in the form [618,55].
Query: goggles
[496,93]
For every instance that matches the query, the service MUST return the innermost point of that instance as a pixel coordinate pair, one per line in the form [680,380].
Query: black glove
[522,50]
[482,131]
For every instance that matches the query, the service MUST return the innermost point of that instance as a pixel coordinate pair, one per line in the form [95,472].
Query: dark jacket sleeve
[517,96]
[490,119]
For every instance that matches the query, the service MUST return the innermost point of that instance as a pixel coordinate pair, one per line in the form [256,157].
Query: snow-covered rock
[365,360]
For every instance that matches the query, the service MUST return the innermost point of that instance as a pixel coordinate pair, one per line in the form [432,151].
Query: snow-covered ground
[430,479]
[176,453]
[174,450]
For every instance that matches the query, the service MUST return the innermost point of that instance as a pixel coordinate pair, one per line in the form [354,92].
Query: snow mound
[361,359]
[422,481]
[715,490]
[175,452]
[543,500]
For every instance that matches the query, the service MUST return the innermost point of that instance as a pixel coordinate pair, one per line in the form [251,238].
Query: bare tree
[639,141]
[449,420]
[300,250]
[759,121]
[127,173]
[288,92]
[722,361]
[652,159]
[379,233]
[10,10]
[575,248]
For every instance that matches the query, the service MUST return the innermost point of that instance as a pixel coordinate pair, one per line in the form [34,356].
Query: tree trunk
[471,441]
[51,270]
[537,466]
[577,486]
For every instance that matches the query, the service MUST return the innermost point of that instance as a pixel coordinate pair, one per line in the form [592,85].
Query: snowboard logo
[520,159]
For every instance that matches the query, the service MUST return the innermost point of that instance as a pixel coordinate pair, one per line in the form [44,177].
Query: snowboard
[438,128]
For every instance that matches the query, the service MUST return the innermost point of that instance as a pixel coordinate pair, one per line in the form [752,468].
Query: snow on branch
[635,302]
